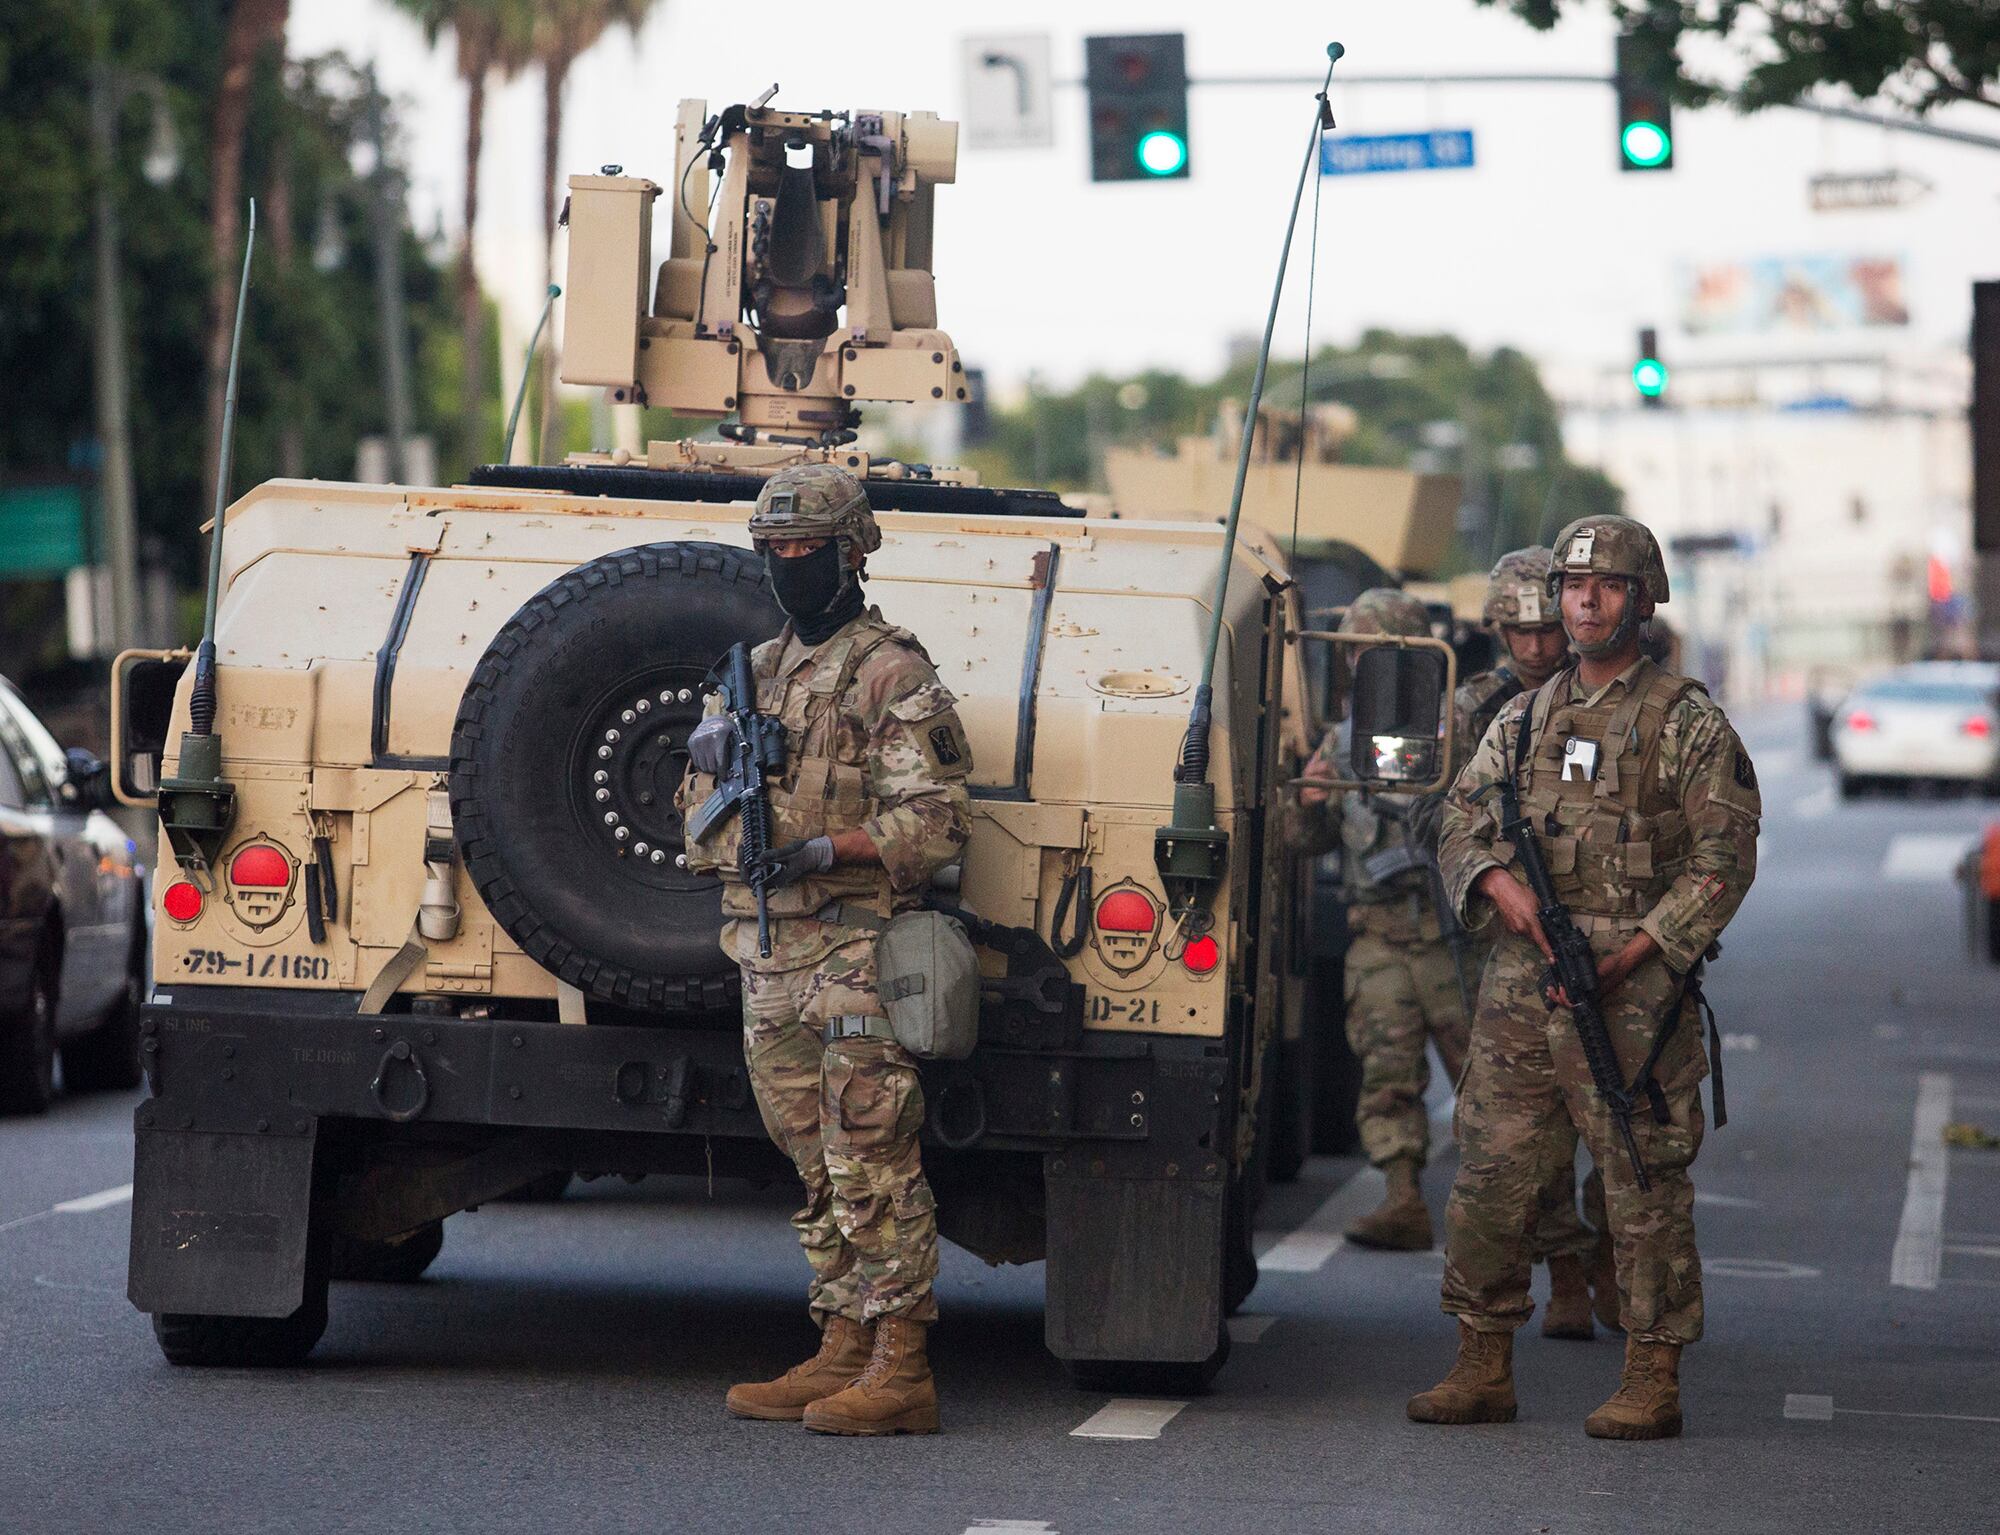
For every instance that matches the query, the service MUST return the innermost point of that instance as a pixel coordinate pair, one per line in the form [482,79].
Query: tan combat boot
[844,1349]
[1647,1404]
[1604,1284]
[894,1395]
[1568,1313]
[1480,1387]
[1401,1222]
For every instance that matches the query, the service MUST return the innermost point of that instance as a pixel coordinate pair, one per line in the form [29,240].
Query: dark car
[73,920]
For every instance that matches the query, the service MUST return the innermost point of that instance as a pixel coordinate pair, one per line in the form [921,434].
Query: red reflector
[1860,719]
[260,866]
[1978,725]
[1202,955]
[182,901]
[1125,911]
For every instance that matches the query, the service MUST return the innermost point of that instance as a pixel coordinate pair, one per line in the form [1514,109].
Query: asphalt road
[562,1367]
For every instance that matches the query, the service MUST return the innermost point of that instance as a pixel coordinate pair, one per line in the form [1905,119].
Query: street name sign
[1372,154]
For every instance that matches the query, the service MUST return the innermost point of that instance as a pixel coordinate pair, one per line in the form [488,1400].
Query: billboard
[1793,295]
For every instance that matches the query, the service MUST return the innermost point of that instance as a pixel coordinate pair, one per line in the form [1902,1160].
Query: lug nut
[610,818]
[666,695]
[659,855]
[603,751]
[680,860]
[628,716]
[611,734]
[603,795]
[622,832]
[685,694]
[641,849]
[643,705]
[600,776]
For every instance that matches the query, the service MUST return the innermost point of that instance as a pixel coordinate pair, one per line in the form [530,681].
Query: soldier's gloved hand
[711,744]
[794,861]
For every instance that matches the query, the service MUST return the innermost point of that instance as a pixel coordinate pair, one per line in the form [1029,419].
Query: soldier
[1402,987]
[873,802]
[1521,616]
[1645,806]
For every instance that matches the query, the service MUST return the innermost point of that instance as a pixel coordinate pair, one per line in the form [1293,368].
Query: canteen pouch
[928,977]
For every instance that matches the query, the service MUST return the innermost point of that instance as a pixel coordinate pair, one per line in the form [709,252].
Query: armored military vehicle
[425,929]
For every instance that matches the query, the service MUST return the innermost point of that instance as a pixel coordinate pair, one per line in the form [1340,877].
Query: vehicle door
[93,962]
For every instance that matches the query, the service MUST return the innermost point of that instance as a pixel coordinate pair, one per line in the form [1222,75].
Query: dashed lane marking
[1305,1249]
[1034,1526]
[1971,1250]
[1919,1252]
[1248,1329]
[1726,1201]
[1128,1418]
[1757,1268]
[103,1199]
[1748,1044]
[1817,804]
[1820,1409]
[1923,857]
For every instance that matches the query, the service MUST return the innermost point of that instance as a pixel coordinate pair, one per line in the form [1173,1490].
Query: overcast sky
[1545,245]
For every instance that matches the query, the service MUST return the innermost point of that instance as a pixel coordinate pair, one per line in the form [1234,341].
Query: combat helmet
[1517,593]
[1384,610]
[815,501]
[1610,546]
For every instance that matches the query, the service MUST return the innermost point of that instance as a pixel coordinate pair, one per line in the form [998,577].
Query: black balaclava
[819,592]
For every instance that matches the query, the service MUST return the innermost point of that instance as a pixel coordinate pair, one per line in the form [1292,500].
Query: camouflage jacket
[873,741]
[1366,827]
[1690,804]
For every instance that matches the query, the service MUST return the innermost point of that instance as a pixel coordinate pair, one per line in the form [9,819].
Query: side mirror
[143,683]
[1398,703]
[1399,711]
[86,782]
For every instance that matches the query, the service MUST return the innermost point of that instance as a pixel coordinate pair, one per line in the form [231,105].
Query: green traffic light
[1161,153]
[1646,144]
[1649,377]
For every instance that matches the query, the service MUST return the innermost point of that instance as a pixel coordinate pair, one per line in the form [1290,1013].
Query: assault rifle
[1575,967]
[757,747]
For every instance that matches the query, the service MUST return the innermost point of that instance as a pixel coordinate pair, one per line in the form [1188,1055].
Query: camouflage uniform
[1517,597]
[873,741]
[1663,841]
[1401,983]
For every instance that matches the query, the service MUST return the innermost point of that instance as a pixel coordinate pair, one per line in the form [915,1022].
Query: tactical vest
[1615,842]
[1488,694]
[825,785]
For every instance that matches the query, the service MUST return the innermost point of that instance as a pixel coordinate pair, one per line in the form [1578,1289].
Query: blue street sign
[1367,154]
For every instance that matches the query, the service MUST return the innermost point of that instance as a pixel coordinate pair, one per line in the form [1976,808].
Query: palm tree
[255,27]
[564,30]
[491,34]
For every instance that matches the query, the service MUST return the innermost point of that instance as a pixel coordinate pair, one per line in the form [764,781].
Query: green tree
[1914,54]
[563,31]
[490,35]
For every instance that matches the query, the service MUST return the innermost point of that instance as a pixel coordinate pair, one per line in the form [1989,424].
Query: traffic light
[1645,74]
[1649,374]
[1138,107]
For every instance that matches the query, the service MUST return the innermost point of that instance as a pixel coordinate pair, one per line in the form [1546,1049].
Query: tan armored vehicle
[425,933]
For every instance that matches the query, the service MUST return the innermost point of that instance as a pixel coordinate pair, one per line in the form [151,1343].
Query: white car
[1930,721]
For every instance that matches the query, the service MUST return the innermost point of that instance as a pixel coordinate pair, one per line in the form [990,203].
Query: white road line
[1726,1201]
[1820,1409]
[1817,804]
[1248,1329]
[1306,1249]
[1034,1526]
[104,1199]
[1128,1418]
[1919,1253]
[1749,1044]
[1923,857]
[1969,1250]
[101,1200]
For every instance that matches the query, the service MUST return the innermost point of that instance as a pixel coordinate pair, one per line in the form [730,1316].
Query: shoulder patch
[1746,775]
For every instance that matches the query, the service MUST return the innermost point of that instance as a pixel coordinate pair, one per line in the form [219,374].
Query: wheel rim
[623,765]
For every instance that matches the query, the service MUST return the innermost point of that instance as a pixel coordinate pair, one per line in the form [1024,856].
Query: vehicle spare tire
[573,729]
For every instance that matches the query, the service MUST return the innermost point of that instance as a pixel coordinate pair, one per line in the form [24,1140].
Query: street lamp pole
[114,424]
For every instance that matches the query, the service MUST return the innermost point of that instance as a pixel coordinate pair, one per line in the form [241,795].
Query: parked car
[1929,721]
[73,920]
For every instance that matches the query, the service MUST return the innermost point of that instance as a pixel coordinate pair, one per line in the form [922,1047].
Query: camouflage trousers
[1402,993]
[1525,1097]
[848,1115]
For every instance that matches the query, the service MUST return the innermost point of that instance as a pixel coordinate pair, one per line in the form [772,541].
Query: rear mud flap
[220,1219]
[1134,1267]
